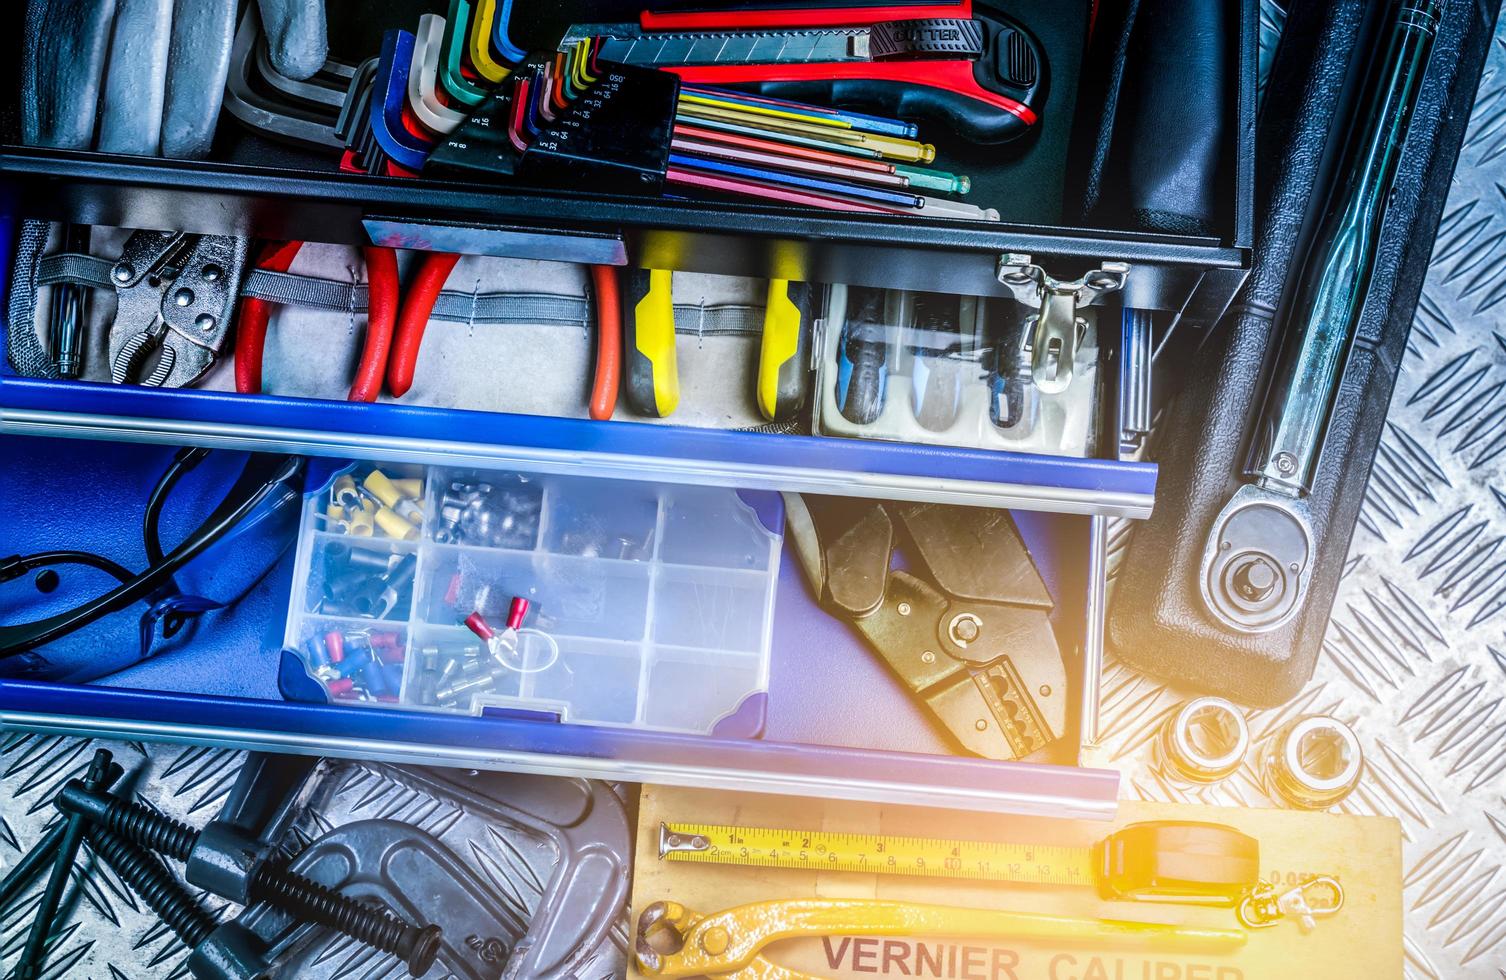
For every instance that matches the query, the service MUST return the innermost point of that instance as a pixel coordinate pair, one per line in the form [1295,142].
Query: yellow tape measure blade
[820,850]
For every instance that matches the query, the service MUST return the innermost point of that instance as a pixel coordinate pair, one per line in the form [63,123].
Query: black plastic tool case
[1160,619]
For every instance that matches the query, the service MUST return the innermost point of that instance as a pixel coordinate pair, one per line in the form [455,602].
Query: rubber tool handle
[990,99]
[381,316]
[653,380]
[253,316]
[783,355]
[414,318]
[608,342]
[862,357]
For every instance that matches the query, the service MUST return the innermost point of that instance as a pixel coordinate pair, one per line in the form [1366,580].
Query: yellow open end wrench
[728,943]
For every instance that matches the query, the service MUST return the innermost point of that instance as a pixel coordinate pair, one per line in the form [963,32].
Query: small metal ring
[1180,750]
[1290,777]
[549,641]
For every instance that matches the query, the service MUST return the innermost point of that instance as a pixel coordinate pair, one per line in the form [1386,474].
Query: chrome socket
[1313,762]
[1204,741]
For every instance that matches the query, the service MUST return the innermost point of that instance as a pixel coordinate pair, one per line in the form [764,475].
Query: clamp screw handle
[287,890]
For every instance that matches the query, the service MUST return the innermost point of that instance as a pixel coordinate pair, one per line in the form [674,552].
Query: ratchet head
[1257,562]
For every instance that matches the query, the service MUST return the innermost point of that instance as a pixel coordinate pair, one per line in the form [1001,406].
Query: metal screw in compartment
[428,674]
[502,514]
[183,296]
[205,322]
[123,271]
[475,683]
[447,674]
[301,897]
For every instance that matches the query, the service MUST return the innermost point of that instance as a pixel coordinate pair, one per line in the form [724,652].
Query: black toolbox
[257,187]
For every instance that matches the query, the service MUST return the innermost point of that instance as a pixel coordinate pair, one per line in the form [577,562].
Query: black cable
[264,473]
[18,565]
[183,463]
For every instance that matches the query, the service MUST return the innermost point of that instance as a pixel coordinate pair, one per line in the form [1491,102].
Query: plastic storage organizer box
[648,605]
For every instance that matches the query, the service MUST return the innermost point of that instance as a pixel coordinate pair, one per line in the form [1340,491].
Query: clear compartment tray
[647,605]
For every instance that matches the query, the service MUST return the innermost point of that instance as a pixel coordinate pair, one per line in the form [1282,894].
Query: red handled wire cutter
[394,329]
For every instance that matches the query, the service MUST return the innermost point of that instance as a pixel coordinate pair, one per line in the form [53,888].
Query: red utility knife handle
[817,16]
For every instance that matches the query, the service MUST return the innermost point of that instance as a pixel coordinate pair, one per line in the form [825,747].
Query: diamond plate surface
[108,934]
[1415,654]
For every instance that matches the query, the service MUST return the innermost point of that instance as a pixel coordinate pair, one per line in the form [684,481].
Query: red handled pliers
[380,358]
[425,289]
[394,335]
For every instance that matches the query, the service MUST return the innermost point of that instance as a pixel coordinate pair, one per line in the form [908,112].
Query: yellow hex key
[890,147]
[581,55]
[813,118]
[481,43]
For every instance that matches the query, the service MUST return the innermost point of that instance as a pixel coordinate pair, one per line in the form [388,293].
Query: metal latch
[1055,330]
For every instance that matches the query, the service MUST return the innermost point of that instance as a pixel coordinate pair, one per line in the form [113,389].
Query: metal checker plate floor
[110,935]
[1415,655]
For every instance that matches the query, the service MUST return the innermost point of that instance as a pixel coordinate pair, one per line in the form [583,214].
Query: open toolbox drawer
[252,186]
[621,449]
[837,723]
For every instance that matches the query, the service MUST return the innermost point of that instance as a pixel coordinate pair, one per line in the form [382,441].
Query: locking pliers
[174,293]
[974,643]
